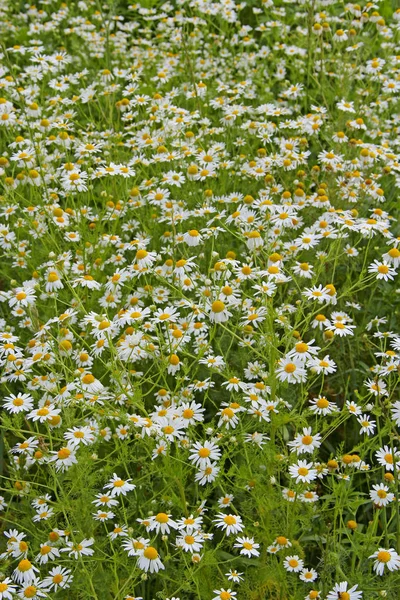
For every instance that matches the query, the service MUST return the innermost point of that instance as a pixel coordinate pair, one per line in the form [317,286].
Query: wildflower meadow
[200,300]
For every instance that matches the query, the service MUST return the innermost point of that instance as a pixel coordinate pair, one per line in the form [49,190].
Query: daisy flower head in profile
[218,313]
[313,595]
[282,542]
[25,572]
[303,351]
[192,237]
[325,365]
[149,560]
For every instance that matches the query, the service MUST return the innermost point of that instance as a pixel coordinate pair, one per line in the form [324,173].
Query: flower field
[199,300]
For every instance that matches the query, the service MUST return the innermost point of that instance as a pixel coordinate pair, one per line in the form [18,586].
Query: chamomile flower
[291,370]
[58,578]
[190,542]
[229,523]
[305,442]
[79,549]
[161,523]
[224,594]
[234,576]
[387,457]
[383,270]
[149,560]
[385,558]
[367,424]
[7,589]
[325,365]
[308,575]
[342,590]
[218,313]
[380,495]
[16,404]
[303,471]
[293,563]
[202,454]
[25,572]
[248,547]
[119,486]
[63,458]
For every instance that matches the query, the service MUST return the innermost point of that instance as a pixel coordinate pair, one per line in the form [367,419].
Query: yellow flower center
[217,306]
[301,347]
[322,403]
[64,453]
[118,483]
[230,520]
[204,452]
[150,553]
[162,518]
[247,545]
[281,540]
[88,379]
[394,253]
[24,565]
[303,471]
[384,556]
